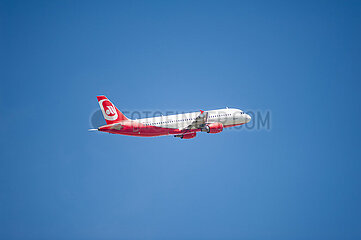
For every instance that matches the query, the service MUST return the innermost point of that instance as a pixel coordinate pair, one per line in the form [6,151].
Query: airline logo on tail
[110,112]
[108,109]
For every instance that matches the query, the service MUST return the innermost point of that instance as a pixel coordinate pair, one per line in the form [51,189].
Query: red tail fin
[110,112]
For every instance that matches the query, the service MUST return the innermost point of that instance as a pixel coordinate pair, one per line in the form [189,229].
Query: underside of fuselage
[151,131]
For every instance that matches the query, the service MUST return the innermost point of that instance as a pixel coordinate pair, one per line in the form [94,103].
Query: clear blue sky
[299,180]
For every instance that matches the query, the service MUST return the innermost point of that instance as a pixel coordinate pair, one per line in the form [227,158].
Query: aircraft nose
[248,118]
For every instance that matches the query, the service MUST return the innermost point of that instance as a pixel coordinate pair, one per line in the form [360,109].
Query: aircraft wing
[199,122]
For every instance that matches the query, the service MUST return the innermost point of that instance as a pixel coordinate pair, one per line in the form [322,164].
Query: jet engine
[213,128]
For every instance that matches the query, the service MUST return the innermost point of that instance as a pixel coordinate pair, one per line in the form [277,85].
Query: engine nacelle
[189,135]
[213,128]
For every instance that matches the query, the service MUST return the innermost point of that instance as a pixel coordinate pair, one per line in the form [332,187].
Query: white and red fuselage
[184,125]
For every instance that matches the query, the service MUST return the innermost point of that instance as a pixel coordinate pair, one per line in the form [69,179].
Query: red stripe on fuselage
[233,125]
[141,130]
[144,131]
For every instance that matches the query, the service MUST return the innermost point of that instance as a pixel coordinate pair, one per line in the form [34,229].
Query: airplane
[184,126]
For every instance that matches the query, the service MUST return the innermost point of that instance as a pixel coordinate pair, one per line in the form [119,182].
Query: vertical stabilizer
[110,112]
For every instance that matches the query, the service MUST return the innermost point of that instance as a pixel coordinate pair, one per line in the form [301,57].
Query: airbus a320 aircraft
[184,126]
